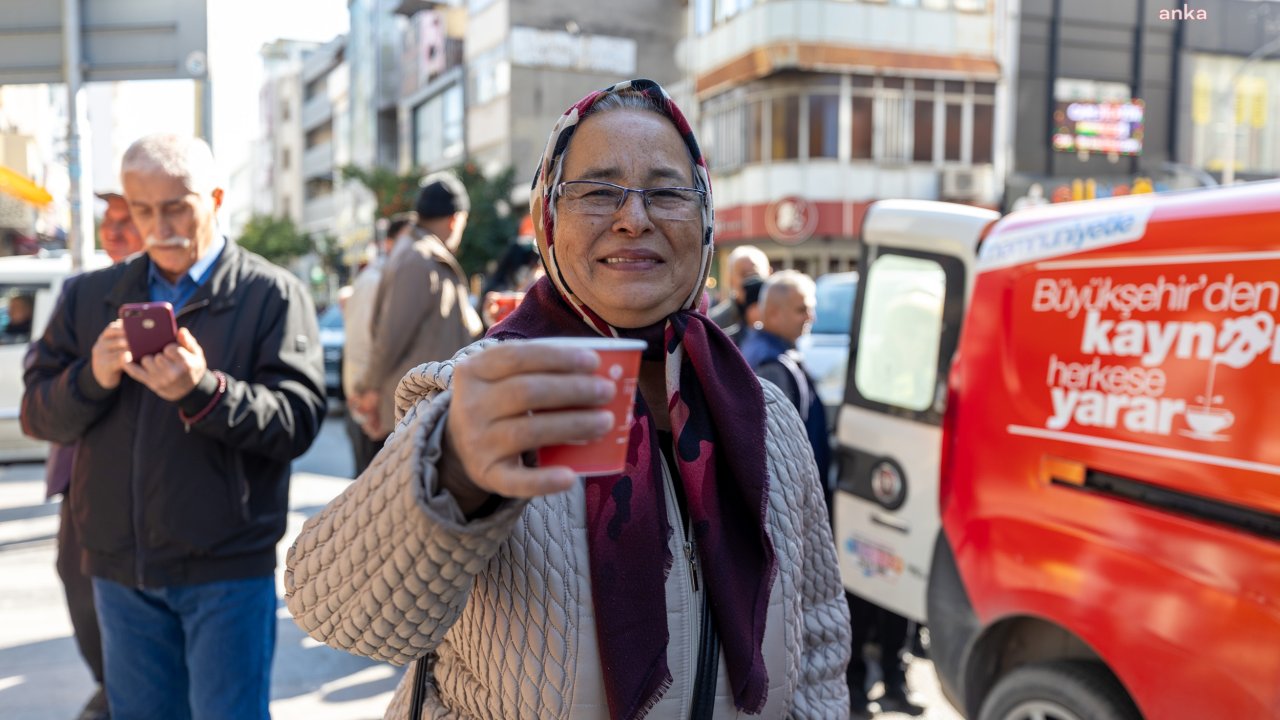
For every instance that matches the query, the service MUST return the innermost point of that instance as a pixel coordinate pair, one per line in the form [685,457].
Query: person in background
[421,311]
[744,261]
[181,478]
[357,318]
[699,582]
[787,300]
[748,309]
[21,312]
[119,237]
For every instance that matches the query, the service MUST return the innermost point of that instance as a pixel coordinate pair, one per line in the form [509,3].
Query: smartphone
[149,327]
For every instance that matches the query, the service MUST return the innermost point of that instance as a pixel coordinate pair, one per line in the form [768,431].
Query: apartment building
[810,110]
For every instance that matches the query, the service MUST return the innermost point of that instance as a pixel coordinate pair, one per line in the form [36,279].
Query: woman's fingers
[518,395]
[517,481]
[521,358]
[509,437]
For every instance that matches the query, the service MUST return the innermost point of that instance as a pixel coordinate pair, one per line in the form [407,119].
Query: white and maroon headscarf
[718,423]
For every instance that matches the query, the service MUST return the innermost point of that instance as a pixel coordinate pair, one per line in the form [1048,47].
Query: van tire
[1059,690]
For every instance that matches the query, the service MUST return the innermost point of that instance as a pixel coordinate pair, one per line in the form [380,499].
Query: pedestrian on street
[702,581]
[745,261]
[181,478]
[357,319]
[787,301]
[120,238]
[422,311]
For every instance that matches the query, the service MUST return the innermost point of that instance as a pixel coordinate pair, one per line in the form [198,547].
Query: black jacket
[157,502]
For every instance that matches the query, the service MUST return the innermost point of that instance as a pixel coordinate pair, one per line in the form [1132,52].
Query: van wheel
[1059,690]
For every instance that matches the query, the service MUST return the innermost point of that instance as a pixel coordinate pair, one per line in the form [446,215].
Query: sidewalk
[43,678]
[41,674]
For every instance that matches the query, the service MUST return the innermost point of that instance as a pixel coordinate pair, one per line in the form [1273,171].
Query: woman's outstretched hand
[515,397]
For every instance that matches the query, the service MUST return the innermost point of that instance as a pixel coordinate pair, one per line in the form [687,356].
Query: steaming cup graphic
[1208,421]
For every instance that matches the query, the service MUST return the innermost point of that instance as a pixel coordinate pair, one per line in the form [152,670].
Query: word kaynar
[1183,13]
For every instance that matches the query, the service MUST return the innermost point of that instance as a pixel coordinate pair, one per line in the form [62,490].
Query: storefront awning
[15,184]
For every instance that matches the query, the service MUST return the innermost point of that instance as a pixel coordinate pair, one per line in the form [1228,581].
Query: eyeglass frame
[626,192]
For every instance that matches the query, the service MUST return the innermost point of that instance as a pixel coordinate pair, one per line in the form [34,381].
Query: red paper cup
[505,303]
[619,362]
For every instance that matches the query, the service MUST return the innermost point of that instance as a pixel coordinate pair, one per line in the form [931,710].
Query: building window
[286,158]
[490,75]
[824,126]
[922,118]
[785,128]
[437,126]
[860,128]
[755,130]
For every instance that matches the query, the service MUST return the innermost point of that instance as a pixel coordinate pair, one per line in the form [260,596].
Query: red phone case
[149,327]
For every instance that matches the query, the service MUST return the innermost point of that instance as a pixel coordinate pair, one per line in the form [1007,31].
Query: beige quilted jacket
[391,570]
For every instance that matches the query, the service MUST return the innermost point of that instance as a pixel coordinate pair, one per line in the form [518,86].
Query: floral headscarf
[717,417]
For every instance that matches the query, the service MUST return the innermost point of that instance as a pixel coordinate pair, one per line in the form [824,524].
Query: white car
[29,287]
[826,346]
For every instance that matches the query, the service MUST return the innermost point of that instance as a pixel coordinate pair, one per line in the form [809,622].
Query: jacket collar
[218,292]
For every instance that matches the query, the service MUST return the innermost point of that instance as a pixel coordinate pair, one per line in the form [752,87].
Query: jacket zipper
[695,625]
[139,537]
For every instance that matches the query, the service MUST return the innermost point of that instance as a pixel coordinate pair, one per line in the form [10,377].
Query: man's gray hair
[789,279]
[184,157]
[758,258]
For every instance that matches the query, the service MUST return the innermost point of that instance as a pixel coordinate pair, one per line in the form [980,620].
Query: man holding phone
[182,474]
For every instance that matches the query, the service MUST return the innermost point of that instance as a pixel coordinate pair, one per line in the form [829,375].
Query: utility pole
[80,235]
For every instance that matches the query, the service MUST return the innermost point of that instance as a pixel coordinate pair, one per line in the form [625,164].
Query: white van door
[915,277]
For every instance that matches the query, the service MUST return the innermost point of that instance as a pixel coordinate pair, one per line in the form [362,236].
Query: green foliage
[490,224]
[275,238]
[394,193]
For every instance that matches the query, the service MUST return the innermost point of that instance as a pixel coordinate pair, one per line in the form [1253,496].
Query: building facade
[811,110]
[1150,90]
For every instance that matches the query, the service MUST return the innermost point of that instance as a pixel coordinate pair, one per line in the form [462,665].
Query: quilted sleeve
[386,568]
[822,690]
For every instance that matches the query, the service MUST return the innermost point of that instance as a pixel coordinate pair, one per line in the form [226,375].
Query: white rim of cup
[596,343]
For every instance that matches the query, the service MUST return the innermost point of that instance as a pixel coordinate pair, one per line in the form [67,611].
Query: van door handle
[891,522]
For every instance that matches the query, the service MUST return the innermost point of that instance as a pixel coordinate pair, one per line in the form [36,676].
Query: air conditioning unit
[966,183]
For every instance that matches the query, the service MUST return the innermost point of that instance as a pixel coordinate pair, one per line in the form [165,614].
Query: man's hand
[110,355]
[173,372]
[364,409]
[515,397]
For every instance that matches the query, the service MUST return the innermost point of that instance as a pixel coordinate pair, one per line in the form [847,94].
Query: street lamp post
[1229,167]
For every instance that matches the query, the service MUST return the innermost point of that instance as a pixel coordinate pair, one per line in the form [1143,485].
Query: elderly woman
[700,582]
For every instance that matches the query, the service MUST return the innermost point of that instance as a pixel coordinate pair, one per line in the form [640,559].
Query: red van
[1060,448]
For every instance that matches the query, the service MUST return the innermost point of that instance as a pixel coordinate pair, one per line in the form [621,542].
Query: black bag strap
[704,684]
[421,672]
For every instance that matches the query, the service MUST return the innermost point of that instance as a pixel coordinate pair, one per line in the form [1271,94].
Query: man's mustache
[176,241]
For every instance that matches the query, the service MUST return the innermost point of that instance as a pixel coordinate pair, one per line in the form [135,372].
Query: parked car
[29,284]
[332,338]
[826,346]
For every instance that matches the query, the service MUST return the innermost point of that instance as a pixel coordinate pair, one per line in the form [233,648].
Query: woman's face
[630,268]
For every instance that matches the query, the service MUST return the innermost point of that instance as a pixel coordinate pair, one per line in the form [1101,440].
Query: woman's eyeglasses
[591,197]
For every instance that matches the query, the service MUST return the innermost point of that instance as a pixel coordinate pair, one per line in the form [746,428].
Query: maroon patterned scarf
[717,415]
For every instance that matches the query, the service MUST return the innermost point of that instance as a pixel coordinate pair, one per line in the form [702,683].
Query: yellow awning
[13,183]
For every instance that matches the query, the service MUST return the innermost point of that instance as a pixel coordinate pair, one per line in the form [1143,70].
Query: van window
[897,362]
[17,313]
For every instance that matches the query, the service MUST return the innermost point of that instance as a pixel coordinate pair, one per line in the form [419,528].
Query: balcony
[319,214]
[316,111]
[317,161]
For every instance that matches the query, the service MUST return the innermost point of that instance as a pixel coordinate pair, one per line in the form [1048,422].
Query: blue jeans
[188,652]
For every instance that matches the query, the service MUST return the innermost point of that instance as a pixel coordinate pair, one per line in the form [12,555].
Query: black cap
[442,194]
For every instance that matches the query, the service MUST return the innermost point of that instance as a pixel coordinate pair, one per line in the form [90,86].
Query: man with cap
[117,233]
[421,311]
[119,237]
